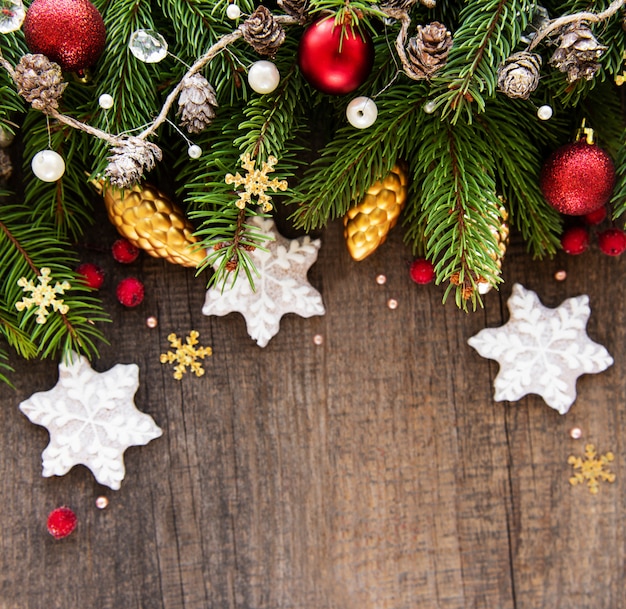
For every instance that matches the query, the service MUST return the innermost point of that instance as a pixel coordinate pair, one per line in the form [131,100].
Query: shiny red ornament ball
[124,251]
[612,242]
[333,59]
[130,292]
[92,274]
[68,32]
[575,240]
[578,178]
[61,522]
[596,217]
[422,271]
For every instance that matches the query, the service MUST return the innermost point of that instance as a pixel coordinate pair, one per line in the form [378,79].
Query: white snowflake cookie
[92,420]
[281,288]
[542,350]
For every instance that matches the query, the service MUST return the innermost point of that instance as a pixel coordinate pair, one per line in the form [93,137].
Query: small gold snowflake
[43,295]
[256,182]
[592,469]
[185,354]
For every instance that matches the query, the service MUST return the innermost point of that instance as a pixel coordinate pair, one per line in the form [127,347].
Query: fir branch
[4,366]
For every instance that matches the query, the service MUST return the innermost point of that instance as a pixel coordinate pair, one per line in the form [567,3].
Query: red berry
[575,240]
[93,275]
[130,292]
[596,217]
[612,241]
[422,271]
[61,522]
[124,251]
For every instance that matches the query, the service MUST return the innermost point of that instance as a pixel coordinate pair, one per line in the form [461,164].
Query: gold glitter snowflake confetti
[256,182]
[592,469]
[185,354]
[43,295]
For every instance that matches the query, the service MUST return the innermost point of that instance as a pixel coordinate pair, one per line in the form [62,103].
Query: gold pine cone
[152,222]
[367,224]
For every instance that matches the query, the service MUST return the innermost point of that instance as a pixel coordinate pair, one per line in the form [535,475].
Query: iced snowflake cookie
[281,288]
[92,420]
[542,350]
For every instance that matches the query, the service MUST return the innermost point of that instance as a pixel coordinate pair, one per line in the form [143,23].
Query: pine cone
[428,50]
[39,81]
[578,52]
[130,160]
[298,9]
[262,32]
[6,168]
[518,76]
[196,103]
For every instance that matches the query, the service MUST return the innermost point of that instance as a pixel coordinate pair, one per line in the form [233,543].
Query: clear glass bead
[12,15]
[148,46]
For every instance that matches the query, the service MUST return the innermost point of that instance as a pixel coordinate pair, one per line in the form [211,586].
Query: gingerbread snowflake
[92,420]
[592,469]
[185,355]
[542,350]
[43,295]
[256,182]
[281,287]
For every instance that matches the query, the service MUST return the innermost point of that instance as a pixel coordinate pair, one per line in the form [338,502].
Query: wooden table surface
[372,472]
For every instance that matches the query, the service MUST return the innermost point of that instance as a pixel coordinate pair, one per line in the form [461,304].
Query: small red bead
[422,271]
[612,241]
[596,217]
[92,273]
[130,292]
[124,251]
[61,522]
[575,240]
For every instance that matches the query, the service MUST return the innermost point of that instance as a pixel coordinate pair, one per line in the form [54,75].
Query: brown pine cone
[129,161]
[197,103]
[298,9]
[6,168]
[39,81]
[262,32]
[578,53]
[518,76]
[428,50]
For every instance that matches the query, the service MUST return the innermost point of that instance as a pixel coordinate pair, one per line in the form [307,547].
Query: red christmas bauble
[333,59]
[69,32]
[578,178]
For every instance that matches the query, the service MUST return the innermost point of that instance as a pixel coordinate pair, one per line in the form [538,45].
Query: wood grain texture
[373,471]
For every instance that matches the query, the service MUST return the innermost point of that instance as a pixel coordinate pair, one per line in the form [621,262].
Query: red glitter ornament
[69,32]
[422,271]
[333,59]
[612,242]
[93,274]
[61,522]
[130,292]
[575,240]
[578,178]
[124,251]
[596,217]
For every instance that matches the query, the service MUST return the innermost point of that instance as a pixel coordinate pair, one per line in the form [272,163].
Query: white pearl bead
[545,113]
[194,151]
[263,77]
[48,166]
[105,101]
[362,112]
[430,107]
[233,12]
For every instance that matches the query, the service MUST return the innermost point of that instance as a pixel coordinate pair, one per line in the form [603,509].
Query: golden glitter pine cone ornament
[152,222]
[367,224]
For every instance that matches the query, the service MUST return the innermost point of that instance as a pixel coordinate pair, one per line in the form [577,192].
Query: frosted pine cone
[578,53]
[197,103]
[39,81]
[518,76]
[262,32]
[130,160]
[428,50]
[298,9]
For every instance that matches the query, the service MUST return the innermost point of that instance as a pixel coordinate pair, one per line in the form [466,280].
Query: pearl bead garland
[362,112]
[194,151]
[544,112]
[105,101]
[263,77]
[48,165]
[233,12]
